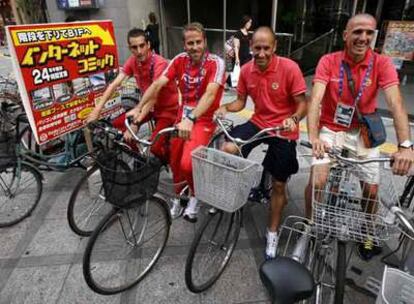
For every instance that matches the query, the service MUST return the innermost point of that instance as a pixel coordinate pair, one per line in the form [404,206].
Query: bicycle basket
[223,180]
[127,177]
[397,287]
[341,210]
[9,89]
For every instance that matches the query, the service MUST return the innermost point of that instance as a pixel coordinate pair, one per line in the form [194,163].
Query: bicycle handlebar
[147,143]
[255,137]
[336,154]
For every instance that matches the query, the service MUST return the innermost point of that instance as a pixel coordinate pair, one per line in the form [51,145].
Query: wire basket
[9,90]
[127,177]
[340,209]
[223,180]
[397,287]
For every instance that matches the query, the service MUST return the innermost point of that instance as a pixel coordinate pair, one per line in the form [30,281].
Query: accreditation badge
[344,114]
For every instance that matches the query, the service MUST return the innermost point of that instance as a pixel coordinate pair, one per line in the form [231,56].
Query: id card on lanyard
[344,113]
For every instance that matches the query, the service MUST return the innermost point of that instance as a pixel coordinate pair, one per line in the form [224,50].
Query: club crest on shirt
[368,82]
[275,85]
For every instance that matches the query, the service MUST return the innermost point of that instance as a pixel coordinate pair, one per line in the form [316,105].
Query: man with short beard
[200,77]
[333,119]
[277,88]
[145,66]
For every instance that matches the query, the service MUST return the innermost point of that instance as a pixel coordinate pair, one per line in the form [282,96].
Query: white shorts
[351,140]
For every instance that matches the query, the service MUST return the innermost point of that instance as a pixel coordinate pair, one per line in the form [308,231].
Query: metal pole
[188,11]
[364,6]
[224,27]
[303,21]
[379,10]
[354,7]
[163,29]
[274,15]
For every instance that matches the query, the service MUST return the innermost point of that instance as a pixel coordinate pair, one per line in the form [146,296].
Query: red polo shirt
[383,75]
[167,104]
[272,91]
[187,74]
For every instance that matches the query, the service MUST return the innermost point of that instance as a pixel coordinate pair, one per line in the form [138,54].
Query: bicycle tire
[234,223]
[84,215]
[340,272]
[408,193]
[106,268]
[13,206]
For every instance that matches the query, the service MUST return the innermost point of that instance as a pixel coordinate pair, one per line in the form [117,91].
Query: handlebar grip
[306,144]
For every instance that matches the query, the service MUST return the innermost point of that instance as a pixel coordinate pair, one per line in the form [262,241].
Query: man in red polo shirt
[332,118]
[145,66]
[277,88]
[200,76]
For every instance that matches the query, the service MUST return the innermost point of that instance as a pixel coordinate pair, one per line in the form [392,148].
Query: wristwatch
[406,144]
[191,117]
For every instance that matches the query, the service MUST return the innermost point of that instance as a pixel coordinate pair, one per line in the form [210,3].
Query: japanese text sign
[62,69]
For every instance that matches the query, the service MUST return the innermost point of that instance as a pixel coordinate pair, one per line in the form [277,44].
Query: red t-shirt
[181,69]
[167,103]
[272,91]
[383,75]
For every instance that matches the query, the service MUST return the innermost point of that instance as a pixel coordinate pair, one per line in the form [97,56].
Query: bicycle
[130,238]
[20,181]
[338,217]
[216,238]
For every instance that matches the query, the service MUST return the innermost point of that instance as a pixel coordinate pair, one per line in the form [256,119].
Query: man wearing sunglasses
[145,66]
[345,88]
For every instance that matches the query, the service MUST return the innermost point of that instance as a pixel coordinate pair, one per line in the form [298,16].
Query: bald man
[277,88]
[333,119]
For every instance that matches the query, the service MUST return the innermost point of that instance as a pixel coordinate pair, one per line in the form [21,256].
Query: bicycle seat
[286,280]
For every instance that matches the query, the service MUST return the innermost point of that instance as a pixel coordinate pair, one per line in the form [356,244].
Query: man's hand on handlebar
[318,148]
[135,114]
[93,116]
[221,112]
[403,160]
[128,136]
[289,124]
[184,128]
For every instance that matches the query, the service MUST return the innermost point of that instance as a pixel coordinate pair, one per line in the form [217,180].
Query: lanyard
[187,79]
[151,72]
[345,67]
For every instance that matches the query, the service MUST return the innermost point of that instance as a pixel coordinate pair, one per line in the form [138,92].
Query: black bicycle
[129,239]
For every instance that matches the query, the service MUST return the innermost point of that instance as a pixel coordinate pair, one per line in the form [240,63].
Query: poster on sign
[399,40]
[62,70]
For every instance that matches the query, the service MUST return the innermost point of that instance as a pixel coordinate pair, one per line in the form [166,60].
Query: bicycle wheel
[211,249]
[322,268]
[408,193]
[125,246]
[20,192]
[87,205]
[340,272]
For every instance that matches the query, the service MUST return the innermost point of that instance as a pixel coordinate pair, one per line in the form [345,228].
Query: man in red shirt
[200,77]
[332,118]
[145,66]
[277,88]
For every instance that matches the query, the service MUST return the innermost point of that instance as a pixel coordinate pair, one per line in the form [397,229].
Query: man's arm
[318,91]
[404,158]
[94,115]
[396,106]
[206,100]
[150,95]
[292,122]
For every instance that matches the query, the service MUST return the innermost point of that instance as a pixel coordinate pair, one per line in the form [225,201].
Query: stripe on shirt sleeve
[218,77]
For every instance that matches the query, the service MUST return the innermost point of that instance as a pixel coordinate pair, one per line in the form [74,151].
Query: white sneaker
[176,208]
[190,213]
[271,245]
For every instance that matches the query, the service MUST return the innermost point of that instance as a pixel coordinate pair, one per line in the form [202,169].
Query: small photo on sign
[63,92]
[81,86]
[98,82]
[42,99]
